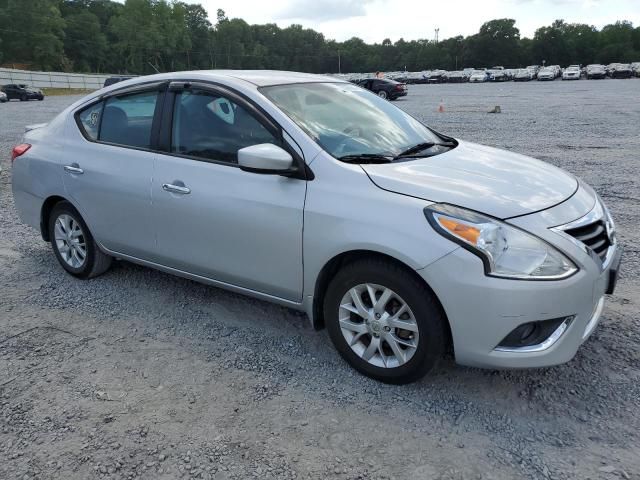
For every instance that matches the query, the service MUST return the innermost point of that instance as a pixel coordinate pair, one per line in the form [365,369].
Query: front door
[215,220]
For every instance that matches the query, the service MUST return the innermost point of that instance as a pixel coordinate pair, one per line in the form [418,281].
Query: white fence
[52,79]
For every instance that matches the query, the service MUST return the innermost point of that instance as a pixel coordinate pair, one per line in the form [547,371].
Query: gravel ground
[138,374]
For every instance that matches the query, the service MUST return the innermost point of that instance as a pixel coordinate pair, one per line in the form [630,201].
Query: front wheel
[73,244]
[23,98]
[384,322]
[382,94]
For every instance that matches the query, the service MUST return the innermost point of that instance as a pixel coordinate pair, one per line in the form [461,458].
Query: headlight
[506,251]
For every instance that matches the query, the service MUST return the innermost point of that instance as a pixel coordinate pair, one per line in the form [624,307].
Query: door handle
[74,168]
[181,189]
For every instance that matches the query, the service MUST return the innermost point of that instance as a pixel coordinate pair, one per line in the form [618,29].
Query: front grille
[594,236]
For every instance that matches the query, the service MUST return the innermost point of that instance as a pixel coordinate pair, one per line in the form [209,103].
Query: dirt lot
[137,374]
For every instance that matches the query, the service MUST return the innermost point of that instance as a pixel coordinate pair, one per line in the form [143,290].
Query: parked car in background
[620,70]
[535,69]
[397,76]
[572,72]
[437,76]
[22,92]
[635,66]
[596,71]
[396,259]
[111,80]
[416,78]
[457,77]
[546,74]
[384,87]
[498,75]
[3,97]
[479,76]
[523,75]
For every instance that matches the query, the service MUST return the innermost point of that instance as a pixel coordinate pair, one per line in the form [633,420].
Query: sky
[375,20]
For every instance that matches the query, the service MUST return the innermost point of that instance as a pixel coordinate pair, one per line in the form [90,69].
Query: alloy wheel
[378,325]
[70,240]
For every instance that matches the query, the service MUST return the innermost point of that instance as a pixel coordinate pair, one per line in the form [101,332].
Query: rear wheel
[73,244]
[384,321]
[23,98]
[382,94]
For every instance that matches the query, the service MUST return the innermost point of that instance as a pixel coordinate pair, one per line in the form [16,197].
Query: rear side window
[127,120]
[90,120]
[124,120]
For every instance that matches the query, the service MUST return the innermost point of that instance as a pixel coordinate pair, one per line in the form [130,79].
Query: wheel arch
[45,211]
[337,262]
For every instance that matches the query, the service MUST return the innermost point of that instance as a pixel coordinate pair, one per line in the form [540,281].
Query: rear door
[214,219]
[108,169]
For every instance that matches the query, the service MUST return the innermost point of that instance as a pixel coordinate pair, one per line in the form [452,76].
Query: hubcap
[70,240]
[378,325]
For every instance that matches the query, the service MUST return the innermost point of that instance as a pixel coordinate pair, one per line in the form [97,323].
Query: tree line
[144,36]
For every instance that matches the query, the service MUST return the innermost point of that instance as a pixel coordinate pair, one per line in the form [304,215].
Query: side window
[212,127]
[127,120]
[90,120]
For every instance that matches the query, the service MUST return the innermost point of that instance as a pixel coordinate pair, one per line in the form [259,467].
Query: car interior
[214,127]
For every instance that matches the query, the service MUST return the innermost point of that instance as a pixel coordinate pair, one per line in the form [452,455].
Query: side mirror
[265,158]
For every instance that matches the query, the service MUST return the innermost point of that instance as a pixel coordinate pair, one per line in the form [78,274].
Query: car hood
[485,179]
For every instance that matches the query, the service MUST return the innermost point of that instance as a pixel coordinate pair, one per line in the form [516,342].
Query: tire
[23,98]
[94,262]
[382,94]
[422,345]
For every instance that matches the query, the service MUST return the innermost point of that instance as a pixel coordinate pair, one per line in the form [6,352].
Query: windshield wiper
[366,158]
[422,146]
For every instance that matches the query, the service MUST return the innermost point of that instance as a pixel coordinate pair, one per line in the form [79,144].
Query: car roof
[240,79]
[258,78]
[263,78]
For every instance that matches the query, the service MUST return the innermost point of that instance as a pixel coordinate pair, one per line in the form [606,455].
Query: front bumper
[483,310]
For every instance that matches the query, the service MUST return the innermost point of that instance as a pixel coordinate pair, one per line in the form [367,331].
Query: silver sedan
[316,194]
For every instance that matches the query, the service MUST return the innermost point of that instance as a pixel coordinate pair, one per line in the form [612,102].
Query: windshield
[345,119]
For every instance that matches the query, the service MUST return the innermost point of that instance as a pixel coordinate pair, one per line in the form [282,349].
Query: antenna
[437,30]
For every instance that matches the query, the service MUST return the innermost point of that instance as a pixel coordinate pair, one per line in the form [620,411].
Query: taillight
[399,87]
[19,150]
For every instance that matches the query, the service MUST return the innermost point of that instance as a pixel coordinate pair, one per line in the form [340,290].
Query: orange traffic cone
[441,107]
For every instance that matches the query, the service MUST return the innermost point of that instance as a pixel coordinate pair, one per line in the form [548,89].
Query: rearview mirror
[265,158]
